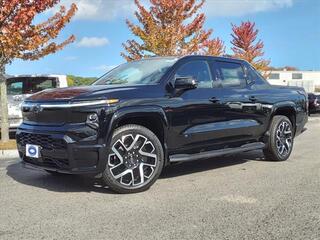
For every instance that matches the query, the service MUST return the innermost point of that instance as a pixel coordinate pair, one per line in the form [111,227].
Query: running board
[216,153]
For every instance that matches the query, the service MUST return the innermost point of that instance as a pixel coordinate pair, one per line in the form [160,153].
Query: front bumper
[71,148]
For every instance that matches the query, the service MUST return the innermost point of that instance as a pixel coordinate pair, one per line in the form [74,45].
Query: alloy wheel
[132,160]
[284,138]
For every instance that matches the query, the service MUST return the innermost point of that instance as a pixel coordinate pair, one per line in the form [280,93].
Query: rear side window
[230,74]
[199,70]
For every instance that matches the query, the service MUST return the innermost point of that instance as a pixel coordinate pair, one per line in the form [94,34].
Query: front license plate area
[32,151]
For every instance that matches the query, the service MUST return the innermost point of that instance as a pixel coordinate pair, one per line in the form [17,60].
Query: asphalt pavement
[234,197]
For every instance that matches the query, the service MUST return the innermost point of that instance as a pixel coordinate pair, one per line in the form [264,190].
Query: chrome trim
[67,105]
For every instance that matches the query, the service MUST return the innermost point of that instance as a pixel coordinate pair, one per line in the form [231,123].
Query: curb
[5,154]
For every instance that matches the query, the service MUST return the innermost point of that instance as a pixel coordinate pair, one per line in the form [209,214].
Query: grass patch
[11,144]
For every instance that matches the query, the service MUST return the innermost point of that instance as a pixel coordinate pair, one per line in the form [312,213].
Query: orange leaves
[20,38]
[214,47]
[163,29]
[175,28]
[245,45]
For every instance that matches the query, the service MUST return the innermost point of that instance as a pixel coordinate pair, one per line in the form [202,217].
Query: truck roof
[196,56]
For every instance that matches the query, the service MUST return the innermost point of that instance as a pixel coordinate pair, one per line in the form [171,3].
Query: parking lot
[234,197]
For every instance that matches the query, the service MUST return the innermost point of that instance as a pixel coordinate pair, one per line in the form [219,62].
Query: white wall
[310,79]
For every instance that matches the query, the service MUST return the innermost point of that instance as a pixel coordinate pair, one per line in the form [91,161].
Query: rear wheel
[280,142]
[135,159]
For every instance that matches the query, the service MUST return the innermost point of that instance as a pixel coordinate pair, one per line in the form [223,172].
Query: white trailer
[19,87]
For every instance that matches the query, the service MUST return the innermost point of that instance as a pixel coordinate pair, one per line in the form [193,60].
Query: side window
[259,81]
[231,74]
[275,76]
[38,84]
[199,70]
[15,88]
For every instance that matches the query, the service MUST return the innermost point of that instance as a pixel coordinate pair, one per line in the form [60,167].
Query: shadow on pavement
[210,164]
[57,183]
[76,183]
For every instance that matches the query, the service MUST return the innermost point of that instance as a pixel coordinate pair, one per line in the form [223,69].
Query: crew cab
[146,114]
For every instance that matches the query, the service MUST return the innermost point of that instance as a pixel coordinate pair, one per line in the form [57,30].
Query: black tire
[132,143]
[280,142]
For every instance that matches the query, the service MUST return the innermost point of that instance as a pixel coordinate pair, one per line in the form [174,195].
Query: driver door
[195,112]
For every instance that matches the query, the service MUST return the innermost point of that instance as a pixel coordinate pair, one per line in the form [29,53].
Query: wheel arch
[151,117]
[287,109]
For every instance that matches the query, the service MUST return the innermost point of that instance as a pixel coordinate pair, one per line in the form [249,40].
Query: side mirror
[185,83]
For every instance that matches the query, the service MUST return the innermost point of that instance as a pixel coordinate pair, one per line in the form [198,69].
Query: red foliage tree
[246,47]
[20,38]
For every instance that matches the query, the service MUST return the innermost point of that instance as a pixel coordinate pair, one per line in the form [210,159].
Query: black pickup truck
[144,115]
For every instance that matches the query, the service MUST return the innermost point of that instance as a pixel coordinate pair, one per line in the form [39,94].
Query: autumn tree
[21,38]
[213,47]
[167,28]
[246,47]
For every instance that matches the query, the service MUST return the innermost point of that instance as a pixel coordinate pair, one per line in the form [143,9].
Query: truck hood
[78,93]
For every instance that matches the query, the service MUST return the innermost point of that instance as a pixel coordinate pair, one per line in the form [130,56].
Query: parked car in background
[144,115]
[314,103]
[20,87]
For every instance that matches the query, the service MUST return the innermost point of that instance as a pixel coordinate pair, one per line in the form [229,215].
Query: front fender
[133,112]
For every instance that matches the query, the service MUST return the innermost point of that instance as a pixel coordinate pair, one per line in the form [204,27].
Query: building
[309,80]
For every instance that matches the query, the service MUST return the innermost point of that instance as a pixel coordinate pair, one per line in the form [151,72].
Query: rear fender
[282,108]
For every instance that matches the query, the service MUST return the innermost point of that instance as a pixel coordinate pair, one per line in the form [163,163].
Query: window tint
[231,74]
[296,75]
[274,76]
[144,72]
[254,76]
[199,70]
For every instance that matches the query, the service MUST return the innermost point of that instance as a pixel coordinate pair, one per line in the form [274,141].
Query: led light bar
[71,104]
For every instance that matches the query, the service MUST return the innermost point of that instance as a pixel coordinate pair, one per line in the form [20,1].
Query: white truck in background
[20,87]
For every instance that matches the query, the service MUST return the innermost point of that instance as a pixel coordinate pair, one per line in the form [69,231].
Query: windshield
[144,72]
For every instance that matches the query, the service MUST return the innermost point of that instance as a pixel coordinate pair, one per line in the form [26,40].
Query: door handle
[214,99]
[253,99]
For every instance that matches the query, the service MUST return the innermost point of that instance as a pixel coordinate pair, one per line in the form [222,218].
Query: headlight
[93,120]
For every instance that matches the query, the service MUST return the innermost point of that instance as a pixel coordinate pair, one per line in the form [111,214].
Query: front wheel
[135,159]
[280,142]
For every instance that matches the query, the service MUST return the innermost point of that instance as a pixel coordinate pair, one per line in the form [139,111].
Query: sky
[290,30]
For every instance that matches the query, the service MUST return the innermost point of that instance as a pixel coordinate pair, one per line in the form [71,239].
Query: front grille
[49,162]
[45,141]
